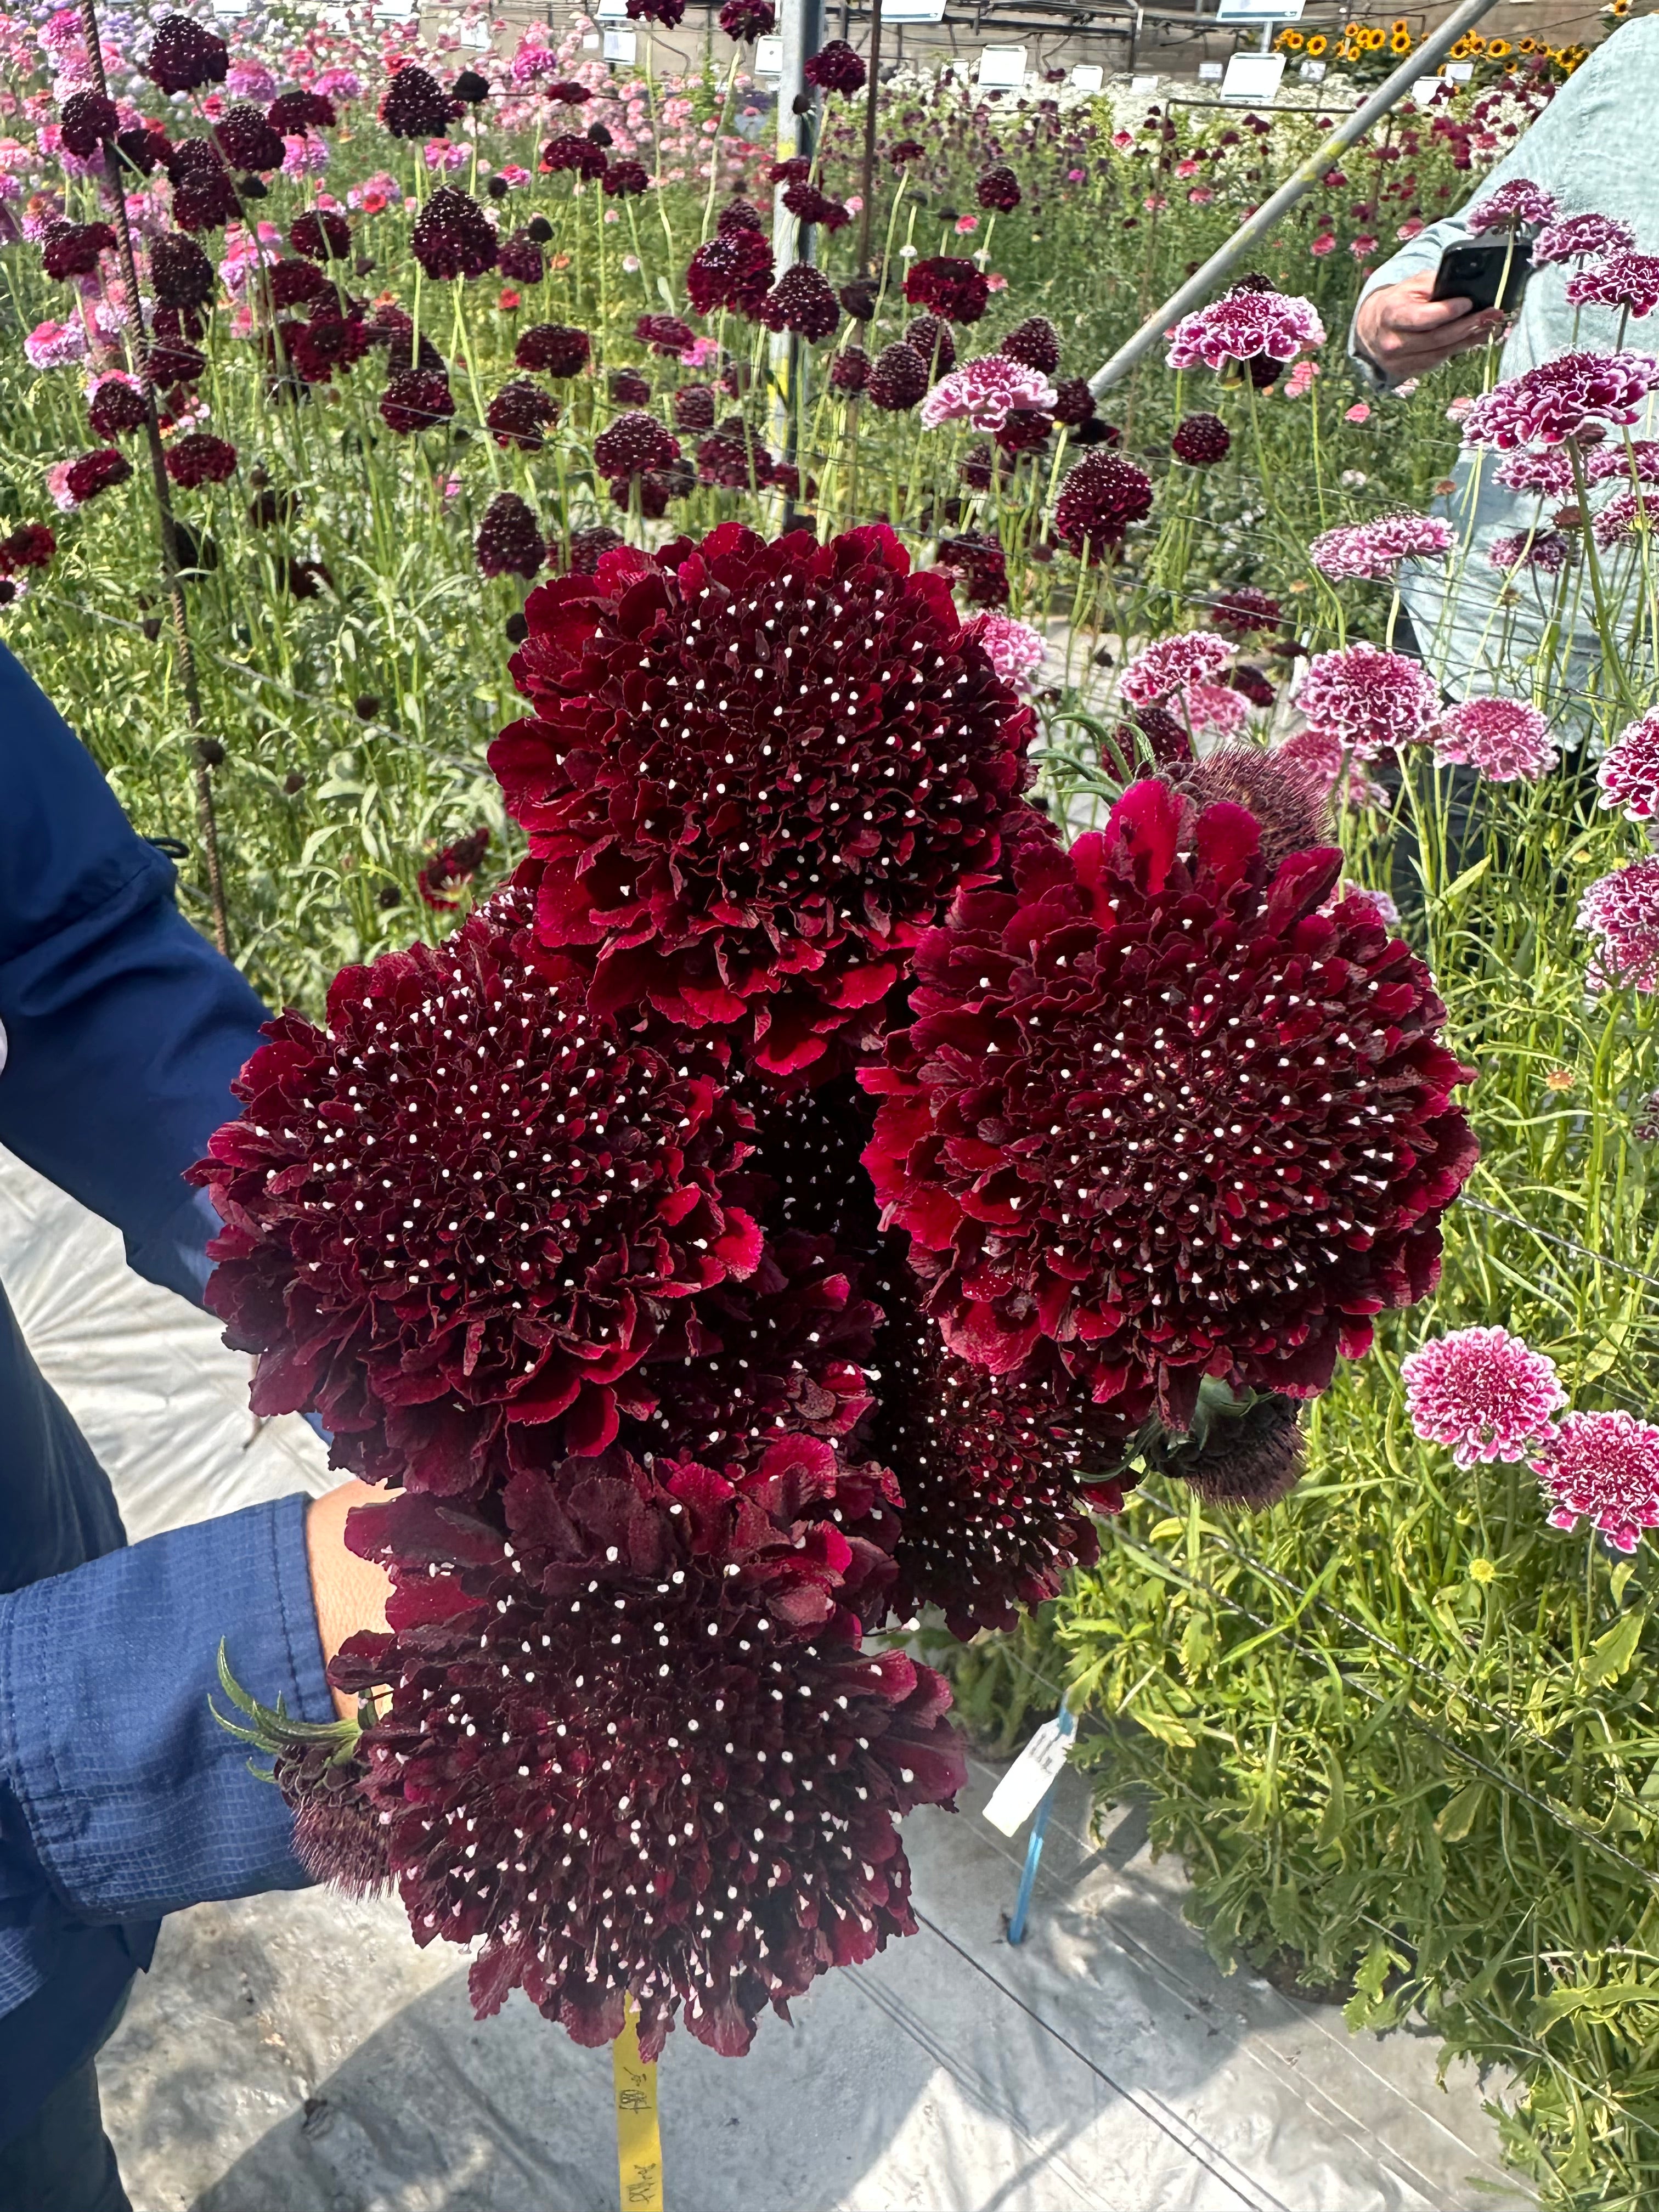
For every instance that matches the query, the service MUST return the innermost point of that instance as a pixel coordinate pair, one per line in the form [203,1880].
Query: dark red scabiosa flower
[200,459]
[694,408]
[31,545]
[295,281]
[733,270]
[471,88]
[96,472]
[1098,501]
[554,349]
[739,854]
[976,466]
[931,339]
[567,93]
[1253,684]
[686,1785]
[947,285]
[519,259]
[626,180]
[328,341]
[1244,609]
[748,19]
[247,141]
[802,300]
[808,204]
[655,489]
[493,1302]
[574,152]
[807,1147]
[509,541]
[1200,441]
[442,880]
[414,104]
[849,370]
[1034,342]
[520,414]
[88,121]
[835,68]
[1023,428]
[665,334]
[116,407]
[169,362]
[292,113]
[184,56]
[588,548]
[998,191]
[982,564]
[321,235]
[143,147]
[739,214]
[627,388]
[668,13]
[899,378]
[392,328]
[454,237]
[632,443]
[71,249]
[906,149]
[1224,1128]
[1074,403]
[418,399]
[734,463]
[204,196]
[1168,740]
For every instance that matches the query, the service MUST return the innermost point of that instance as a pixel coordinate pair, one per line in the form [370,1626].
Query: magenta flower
[1369,700]
[1621,912]
[1630,281]
[1014,649]
[1368,551]
[1635,459]
[1624,513]
[1577,237]
[1507,740]
[1170,663]
[1549,473]
[1562,398]
[1481,1391]
[982,392]
[55,346]
[1629,775]
[1246,327]
[1520,205]
[1544,550]
[1602,1467]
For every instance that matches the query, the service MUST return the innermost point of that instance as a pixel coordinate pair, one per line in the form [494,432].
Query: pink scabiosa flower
[1621,912]
[1170,663]
[1518,205]
[1626,281]
[1508,740]
[1629,773]
[1481,1391]
[1546,551]
[1213,710]
[1369,551]
[55,346]
[1562,398]
[1369,700]
[1604,1468]
[1580,237]
[1549,473]
[1627,514]
[738,855]
[982,393]
[1110,1013]
[1014,649]
[1244,326]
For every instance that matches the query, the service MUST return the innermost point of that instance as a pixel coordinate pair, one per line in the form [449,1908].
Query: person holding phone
[1594,149]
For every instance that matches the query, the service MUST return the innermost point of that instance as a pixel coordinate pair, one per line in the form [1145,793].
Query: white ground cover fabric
[299,2054]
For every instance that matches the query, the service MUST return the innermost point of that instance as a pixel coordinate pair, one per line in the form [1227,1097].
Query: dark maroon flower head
[390,326]
[947,285]
[416,399]
[568,93]
[328,341]
[809,205]
[204,196]
[932,340]
[454,237]
[835,68]
[1255,685]
[321,235]
[626,387]
[626,180]
[634,443]
[71,249]
[1098,501]
[1200,441]
[470,87]
[574,152]
[1023,428]
[520,414]
[665,334]
[295,281]
[1225,1126]
[733,269]
[1244,609]
[442,880]
[184,56]
[490,1302]
[168,361]
[1168,739]
[519,259]
[694,408]
[739,856]
[199,459]
[510,542]
[802,300]
[906,149]
[654,490]
[998,191]
[294,112]
[88,121]
[849,370]
[247,141]
[141,148]
[748,19]
[898,381]
[739,214]
[589,547]
[1034,342]
[668,13]
[414,104]
[31,545]
[860,298]
[982,564]
[96,472]
[554,349]
[736,464]
[1074,403]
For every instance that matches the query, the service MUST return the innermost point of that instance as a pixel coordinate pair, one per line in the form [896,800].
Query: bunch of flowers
[1171,664]
[1580,237]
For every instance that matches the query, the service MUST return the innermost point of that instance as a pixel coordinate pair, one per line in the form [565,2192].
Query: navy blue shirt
[120,1799]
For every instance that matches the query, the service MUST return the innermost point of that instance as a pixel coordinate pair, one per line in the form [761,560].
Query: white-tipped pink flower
[1562,398]
[1629,774]
[1370,551]
[1508,740]
[1369,700]
[1482,1392]
[1604,1468]
[55,346]
[1014,649]
[1246,327]
[1579,238]
[982,392]
[1170,664]
[1519,205]
[1621,912]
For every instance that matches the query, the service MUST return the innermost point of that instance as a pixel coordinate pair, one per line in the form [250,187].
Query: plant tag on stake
[1027,1782]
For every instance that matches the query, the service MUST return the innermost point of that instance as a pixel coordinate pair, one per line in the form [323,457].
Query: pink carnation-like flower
[1635,459]
[1210,710]
[1365,551]
[251,79]
[1545,549]
[1169,664]
[338,84]
[1244,326]
[1628,280]
[55,346]
[1629,775]
[1507,740]
[982,392]
[1549,473]
[1562,398]
[1481,1391]
[1368,699]
[1014,649]
[1577,237]
[1602,1467]
[1624,513]
[1621,912]
[1519,205]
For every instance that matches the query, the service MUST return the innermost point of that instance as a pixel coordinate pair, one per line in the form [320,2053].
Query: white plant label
[1026,1784]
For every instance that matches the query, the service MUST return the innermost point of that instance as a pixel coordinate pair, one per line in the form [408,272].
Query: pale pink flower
[1457,410]
[338,84]
[982,392]
[1629,773]
[1170,663]
[1362,247]
[1246,327]
[1577,237]
[308,155]
[251,79]
[1506,740]
[1359,412]
[1562,398]
[1300,378]
[966,225]
[1324,244]
[58,484]
[1369,551]
[1619,463]
[1322,754]
[1519,203]
[1602,1467]
[55,346]
[996,282]
[1014,649]
[1369,700]
[1621,912]
[1409,228]
[1201,195]
[1483,1392]
[1188,169]
[1210,710]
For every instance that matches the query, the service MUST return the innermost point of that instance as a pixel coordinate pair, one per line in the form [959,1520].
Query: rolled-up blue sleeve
[126,1796]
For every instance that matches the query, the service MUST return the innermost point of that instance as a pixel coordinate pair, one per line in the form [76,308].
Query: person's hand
[349,1593]
[1407,333]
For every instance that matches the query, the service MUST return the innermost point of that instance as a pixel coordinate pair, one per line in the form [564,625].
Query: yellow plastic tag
[639,2138]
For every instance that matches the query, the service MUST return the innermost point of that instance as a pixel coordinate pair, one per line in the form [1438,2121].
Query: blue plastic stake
[1034,1849]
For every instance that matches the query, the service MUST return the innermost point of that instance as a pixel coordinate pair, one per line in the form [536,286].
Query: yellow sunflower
[1499,50]
[1401,43]
[1293,42]
[1527,47]
[1317,45]
[1374,42]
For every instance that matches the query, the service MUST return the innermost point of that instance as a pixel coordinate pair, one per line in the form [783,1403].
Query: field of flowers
[323,347]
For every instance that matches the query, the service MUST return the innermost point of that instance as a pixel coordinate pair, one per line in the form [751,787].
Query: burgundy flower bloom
[1200,441]
[568,93]
[418,399]
[808,204]
[574,152]
[555,349]
[509,539]
[96,472]
[1519,205]
[736,464]
[31,545]
[849,370]
[198,459]
[835,68]
[786,909]
[181,274]
[1036,342]
[1023,428]
[1098,501]
[626,180]
[519,415]
[442,880]
[247,141]
[739,214]
[328,341]
[694,408]
[141,148]
[733,270]
[169,362]
[116,407]
[88,121]
[665,334]
[184,56]
[1074,405]
[898,380]
[519,259]
[1369,700]
[1224,1129]
[294,283]
[390,327]
[321,235]
[748,19]
[414,104]
[1578,238]
[1481,1391]
[71,249]
[1562,398]
[204,196]
[946,285]
[668,13]
[1245,608]
[632,443]
[656,487]
[493,1304]
[1629,281]
[860,298]
[627,388]
[802,300]
[1603,1468]
[982,565]
[293,113]
[589,547]
[453,236]
[998,189]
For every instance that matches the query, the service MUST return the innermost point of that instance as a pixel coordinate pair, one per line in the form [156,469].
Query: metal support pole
[871,92]
[802,24]
[1227,258]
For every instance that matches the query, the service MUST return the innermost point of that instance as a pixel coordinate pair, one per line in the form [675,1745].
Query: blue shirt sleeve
[124,1027]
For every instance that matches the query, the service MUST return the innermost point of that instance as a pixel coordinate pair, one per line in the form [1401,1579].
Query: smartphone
[1475,272]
